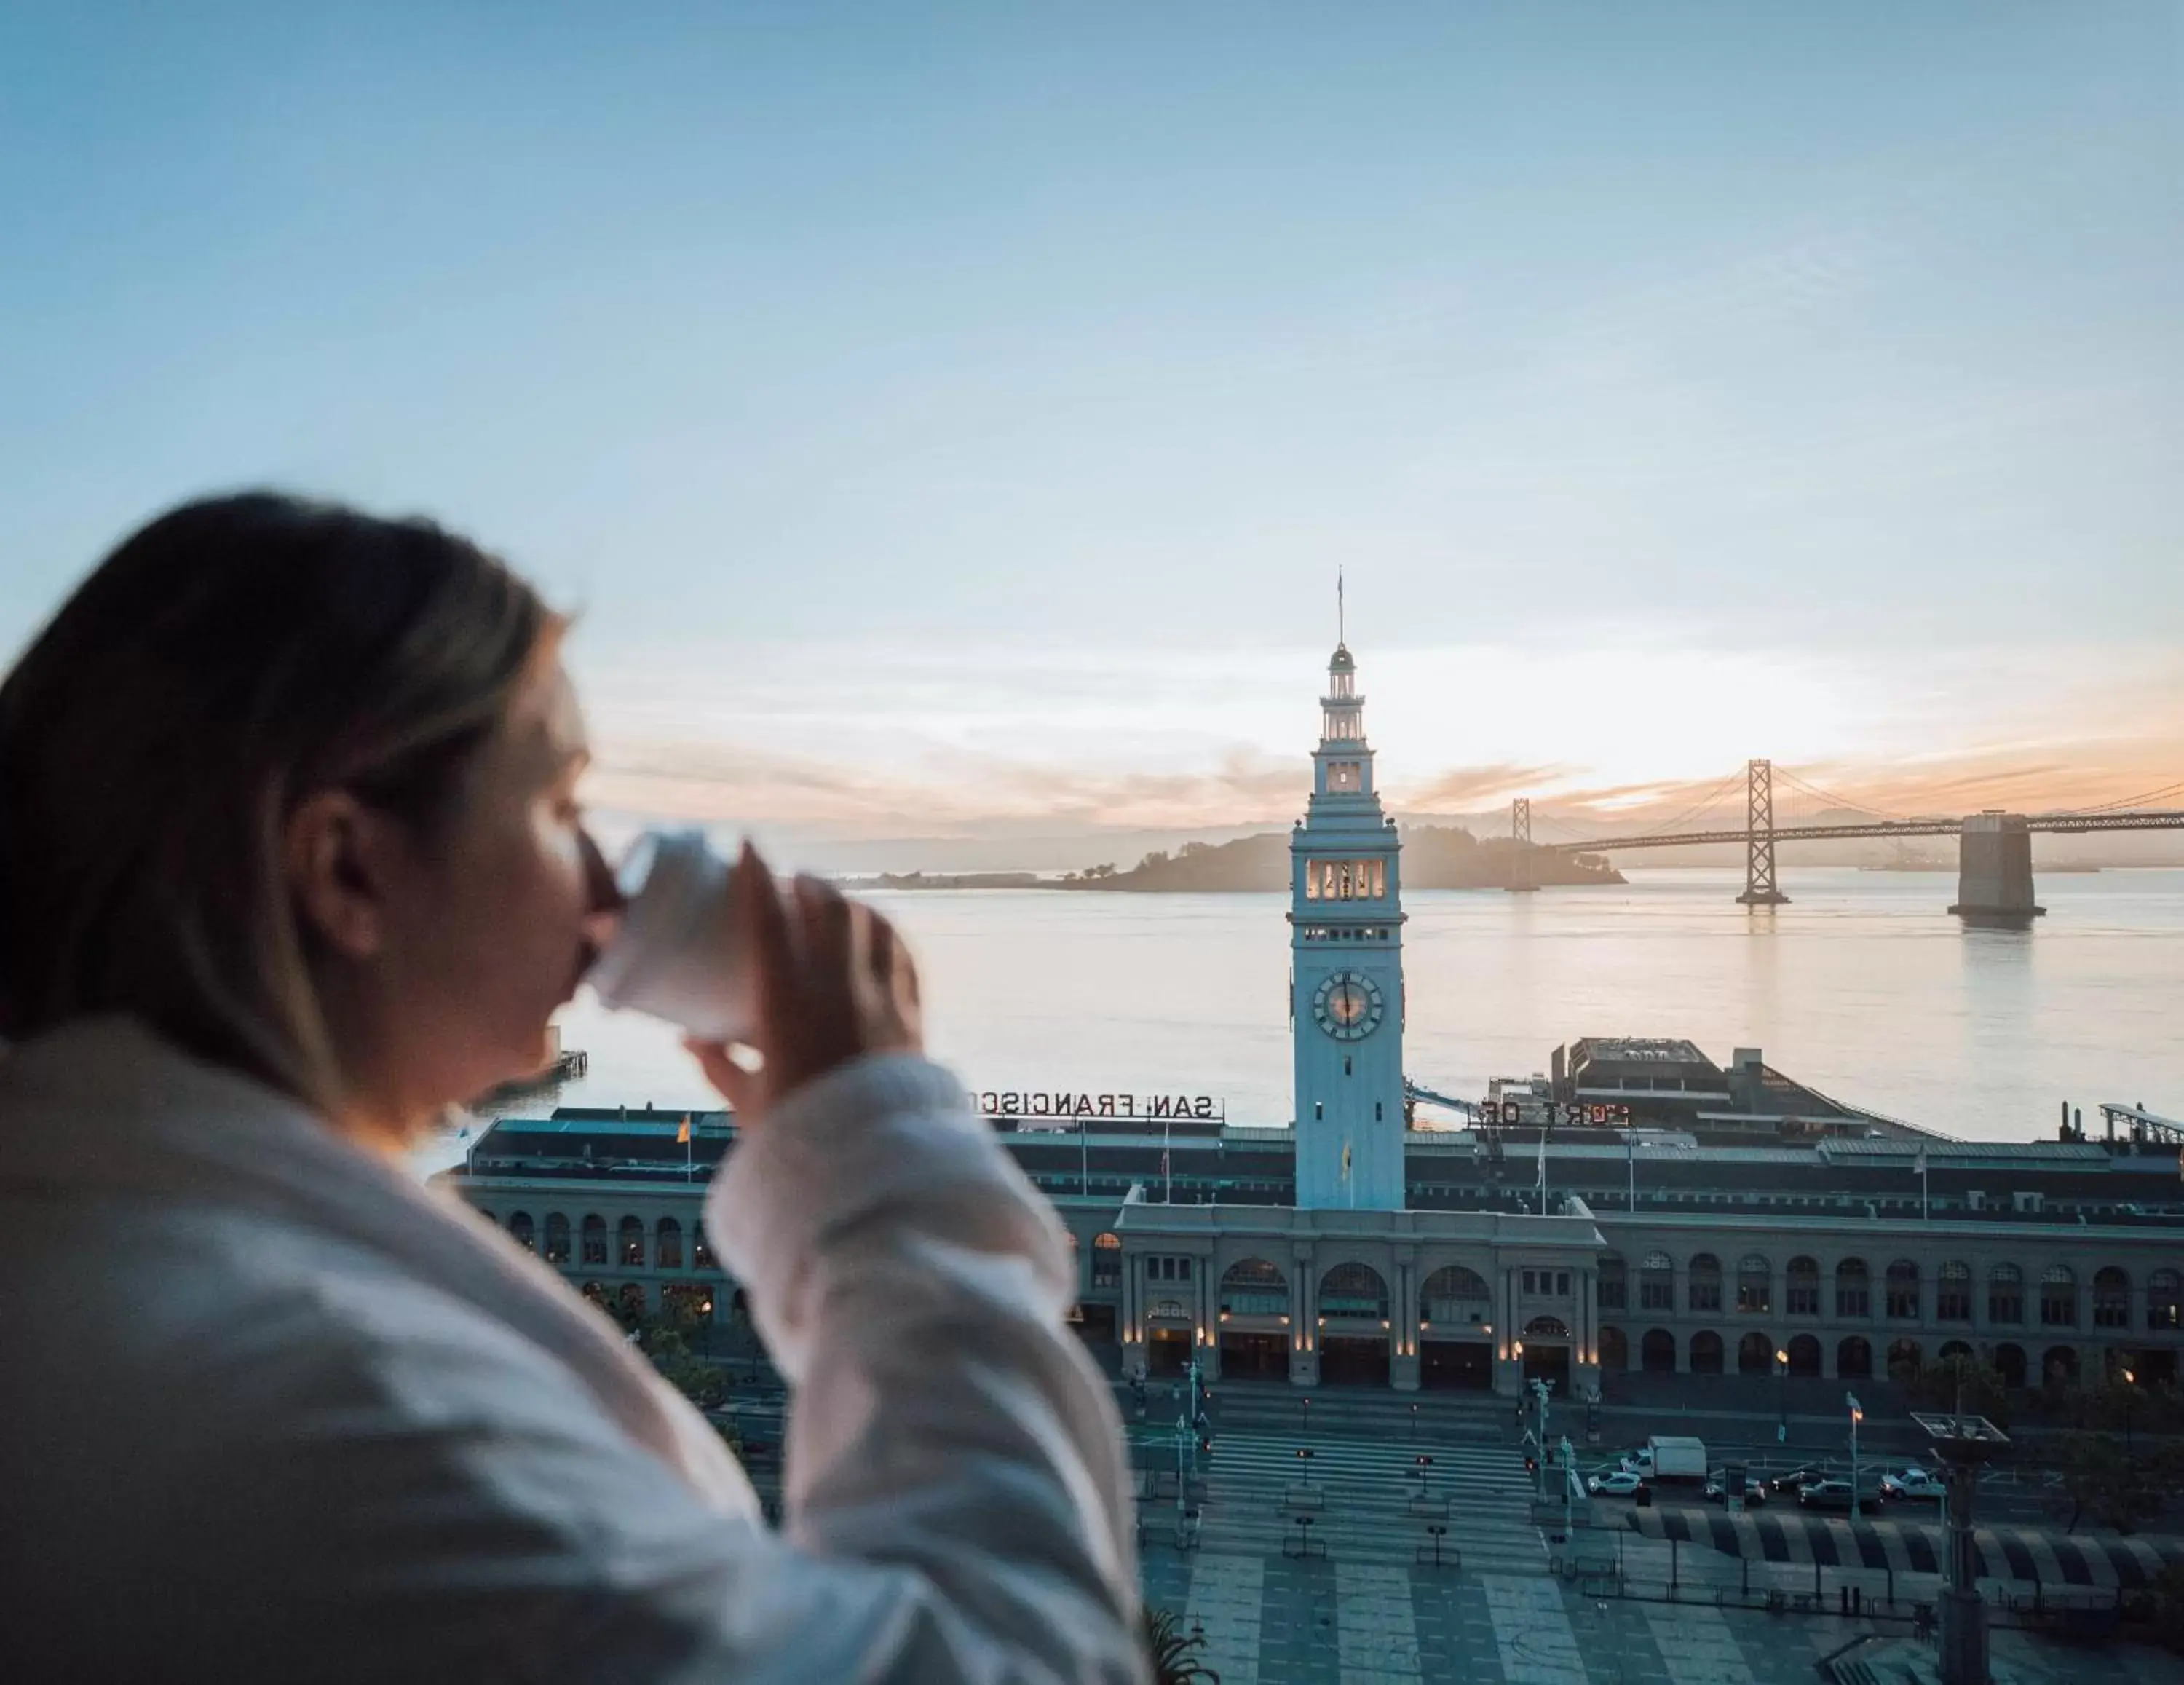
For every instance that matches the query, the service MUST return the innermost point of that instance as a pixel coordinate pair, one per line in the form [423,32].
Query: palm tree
[1173,1651]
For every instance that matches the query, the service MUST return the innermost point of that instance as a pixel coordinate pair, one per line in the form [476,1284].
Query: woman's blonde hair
[228,661]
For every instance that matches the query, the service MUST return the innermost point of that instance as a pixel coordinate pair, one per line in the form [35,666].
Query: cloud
[1461,789]
[880,743]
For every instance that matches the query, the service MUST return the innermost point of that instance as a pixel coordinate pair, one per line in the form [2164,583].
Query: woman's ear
[340,861]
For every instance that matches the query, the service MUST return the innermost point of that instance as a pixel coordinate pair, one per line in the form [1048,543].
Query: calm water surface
[1863,987]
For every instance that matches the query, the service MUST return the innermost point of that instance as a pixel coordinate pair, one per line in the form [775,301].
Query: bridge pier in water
[1994,870]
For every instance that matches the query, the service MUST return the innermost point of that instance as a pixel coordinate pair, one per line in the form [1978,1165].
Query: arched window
[1755,1278]
[1953,1297]
[2058,1366]
[1614,1350]
[2009,1363]
[2165,1299]
[520,1230]
[1802,1289]
[1805,1357]
[1614,1282]
[632,1248]
[629,1303]
[701,1249]
[667,1243]
[1254,1287]
[2005,1299]
[1955,1351]
[1902,1302]
[2111,1298]
[594,1236]
[1657,1288]
[1905,1360]
[596,1293]
[1854,1358]
[1353,1290]
[1106,1261]
[557,1238]
[1706,1353]
[2058,1297]
[1755,1354]
[1703,1287]
[1853,1289]
[1656,1352]
[1454,1297]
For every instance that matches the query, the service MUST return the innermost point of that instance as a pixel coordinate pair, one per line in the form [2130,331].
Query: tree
[1172,1652]
[666,1340]
[2116,1489]
[1963,1386]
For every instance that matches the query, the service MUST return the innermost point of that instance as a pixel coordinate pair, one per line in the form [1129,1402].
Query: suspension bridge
[1994,847]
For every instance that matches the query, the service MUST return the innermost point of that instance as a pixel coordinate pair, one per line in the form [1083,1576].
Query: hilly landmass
[1435,857]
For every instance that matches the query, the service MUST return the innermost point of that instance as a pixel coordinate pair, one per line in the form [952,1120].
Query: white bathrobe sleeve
[446,1503]
[950,1446]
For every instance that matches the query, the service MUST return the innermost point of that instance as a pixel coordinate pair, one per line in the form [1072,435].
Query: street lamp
[2130,1379]
[1782,1396]
[1856,1415]
[1964,1444]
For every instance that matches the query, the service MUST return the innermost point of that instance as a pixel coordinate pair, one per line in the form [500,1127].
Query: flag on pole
[683,1135]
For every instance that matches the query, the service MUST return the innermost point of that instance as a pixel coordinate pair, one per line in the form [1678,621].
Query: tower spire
[1341,617]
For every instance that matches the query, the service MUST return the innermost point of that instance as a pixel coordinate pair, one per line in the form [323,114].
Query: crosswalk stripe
[1376,1632]
[1532,1631]
[1696,1644]
[1226,1598]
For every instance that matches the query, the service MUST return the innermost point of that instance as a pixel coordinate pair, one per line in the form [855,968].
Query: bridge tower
[1520,844]
[1759,889]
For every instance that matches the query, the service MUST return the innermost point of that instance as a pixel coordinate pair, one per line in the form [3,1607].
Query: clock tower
[1346,969]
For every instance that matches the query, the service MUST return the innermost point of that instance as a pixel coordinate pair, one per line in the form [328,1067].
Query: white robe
[271,1411]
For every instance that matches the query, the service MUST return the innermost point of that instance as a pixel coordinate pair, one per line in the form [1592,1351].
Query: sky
[950,421]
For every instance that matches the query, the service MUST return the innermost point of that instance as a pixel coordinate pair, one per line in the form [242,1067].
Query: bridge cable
[2144,797]
[1813,789]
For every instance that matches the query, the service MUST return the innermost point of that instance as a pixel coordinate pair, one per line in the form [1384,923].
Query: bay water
[1863,987]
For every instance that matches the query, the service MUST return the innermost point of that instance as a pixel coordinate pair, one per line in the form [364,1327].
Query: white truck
[1670,1457]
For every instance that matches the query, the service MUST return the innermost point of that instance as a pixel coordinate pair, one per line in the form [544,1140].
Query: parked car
[1834,1495]
[1913,1484]
[1622,1483]
[1717,1490]
[1797,1479]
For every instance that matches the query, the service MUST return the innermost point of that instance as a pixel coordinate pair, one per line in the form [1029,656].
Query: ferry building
[1644,1209]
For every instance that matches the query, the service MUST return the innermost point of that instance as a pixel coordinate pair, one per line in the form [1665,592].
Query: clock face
[1348,1005]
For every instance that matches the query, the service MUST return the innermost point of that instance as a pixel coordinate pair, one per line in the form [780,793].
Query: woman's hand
[832,981]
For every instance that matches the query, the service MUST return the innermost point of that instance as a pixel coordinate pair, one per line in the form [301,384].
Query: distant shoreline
[1435,857]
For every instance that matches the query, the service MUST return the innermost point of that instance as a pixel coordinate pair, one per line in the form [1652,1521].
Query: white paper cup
[678,956]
